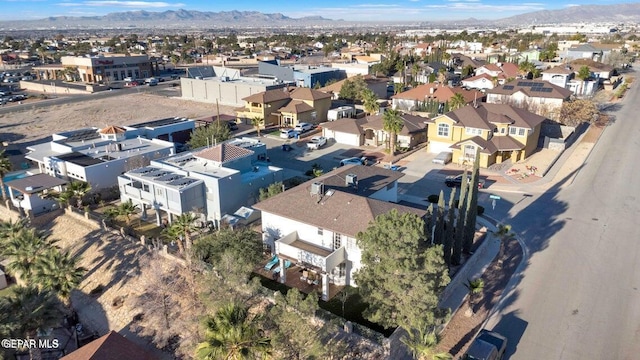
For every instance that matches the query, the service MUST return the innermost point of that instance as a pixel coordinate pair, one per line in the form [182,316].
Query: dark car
[488,345]
[452,181]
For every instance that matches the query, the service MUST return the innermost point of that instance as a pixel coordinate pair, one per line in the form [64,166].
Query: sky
[358,10]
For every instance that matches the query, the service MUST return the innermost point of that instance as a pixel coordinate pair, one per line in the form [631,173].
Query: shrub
[433,198]
[480,210]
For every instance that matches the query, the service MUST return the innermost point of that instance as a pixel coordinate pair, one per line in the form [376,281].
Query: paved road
[578,297]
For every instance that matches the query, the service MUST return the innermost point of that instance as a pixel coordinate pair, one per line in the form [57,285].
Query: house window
[512,130]
[473,131]
[159,191]
[342,270]
[443,130]
[521,132]
[337,241]
[469,152]
[503,130]
[320,231]
[145,187]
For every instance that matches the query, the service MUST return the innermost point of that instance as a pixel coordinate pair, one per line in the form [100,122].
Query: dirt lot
[31,125]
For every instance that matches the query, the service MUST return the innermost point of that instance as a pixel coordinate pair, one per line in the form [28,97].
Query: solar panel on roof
[522,83]
[508,87]
[547,90]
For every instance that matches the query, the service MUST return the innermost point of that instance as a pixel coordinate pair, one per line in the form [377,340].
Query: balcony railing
[309,253]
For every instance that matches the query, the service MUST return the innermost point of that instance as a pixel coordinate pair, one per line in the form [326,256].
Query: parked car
[18,97]
[161,79]
[151,81]
[287,133]
[303,127]
[452,181]
[443,158]
[488,345]
[316,142]
[131,83]
[129,79]
[353,161]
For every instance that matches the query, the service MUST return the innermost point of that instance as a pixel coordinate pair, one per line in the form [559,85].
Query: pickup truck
[316,142]
[488,345]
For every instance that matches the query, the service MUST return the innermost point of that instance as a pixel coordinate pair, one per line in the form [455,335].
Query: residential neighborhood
[318,193]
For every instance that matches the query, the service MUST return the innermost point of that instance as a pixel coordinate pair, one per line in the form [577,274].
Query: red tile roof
[111,346]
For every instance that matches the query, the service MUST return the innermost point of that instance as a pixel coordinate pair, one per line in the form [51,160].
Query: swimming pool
[13,176]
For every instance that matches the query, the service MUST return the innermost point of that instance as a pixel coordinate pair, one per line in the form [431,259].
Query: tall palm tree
[257,121]
[422,343]
[25,251]
[370,101]
[392,123]
[78,189]
[30,309]
[59,272]
[457,101]
[5,167]
[232,334]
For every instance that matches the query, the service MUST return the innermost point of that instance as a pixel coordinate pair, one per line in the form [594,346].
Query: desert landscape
[28,125]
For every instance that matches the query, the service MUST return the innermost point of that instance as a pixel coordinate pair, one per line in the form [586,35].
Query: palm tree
[392,123]
[422,343]
[232,335]
[78,189]
[370,101]
[457,101]
[59,272]
[185,225]
[25,251]
[30,309]
[174,234]
[127,209]
[257,121]
[9,229]
[475,287]
[503,233]
[5,167]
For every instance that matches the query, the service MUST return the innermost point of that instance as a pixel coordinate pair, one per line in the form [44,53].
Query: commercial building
[103,68]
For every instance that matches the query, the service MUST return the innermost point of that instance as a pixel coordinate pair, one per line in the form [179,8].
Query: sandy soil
[35,125]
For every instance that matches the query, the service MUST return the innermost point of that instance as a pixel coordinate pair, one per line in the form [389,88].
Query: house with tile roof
[369,131]
[315,224]
[540,97]
[480,82]
[496,131]
[216,180]
[501,71]
[109,347]
[559,75]
[414,99]
[286,107]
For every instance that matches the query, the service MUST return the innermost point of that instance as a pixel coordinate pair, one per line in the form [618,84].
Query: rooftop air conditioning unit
[317,188]
[351,180]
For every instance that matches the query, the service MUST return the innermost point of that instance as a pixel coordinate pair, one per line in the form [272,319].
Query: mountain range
[186,19]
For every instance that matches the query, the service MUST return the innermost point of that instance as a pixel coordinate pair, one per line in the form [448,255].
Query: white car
[353,161]
[443,158]
[303,127]
[287,133]
[316,142]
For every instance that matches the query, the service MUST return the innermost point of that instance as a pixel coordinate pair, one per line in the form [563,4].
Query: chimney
[432,90]
[351,180]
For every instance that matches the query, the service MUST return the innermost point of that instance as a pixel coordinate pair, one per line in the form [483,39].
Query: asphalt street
[578,295]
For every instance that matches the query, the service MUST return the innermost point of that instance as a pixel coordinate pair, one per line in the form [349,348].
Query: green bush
[480,210]
[433,198]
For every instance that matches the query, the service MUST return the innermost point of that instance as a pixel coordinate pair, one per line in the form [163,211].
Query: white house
[540,97]
[98,156]
[315,224]
[214,181]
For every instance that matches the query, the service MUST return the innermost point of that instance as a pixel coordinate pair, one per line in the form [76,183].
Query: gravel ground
[35,125]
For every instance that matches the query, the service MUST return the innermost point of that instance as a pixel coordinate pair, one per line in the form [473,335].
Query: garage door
[436,147]
[346,138]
